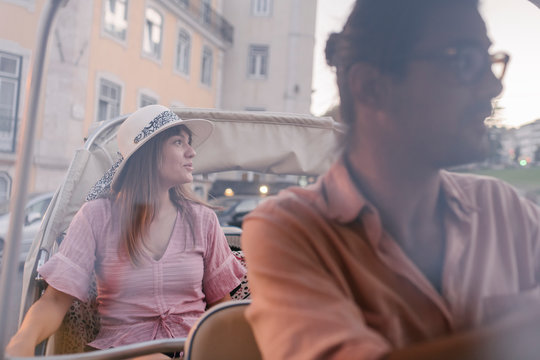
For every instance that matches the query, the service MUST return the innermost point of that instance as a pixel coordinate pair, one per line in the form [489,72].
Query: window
[258,61]
[115,18]
[206,74]
[183,52]
[145,100]
[261,7]
[109,100]
[10,78]
[206,11]
[152,33]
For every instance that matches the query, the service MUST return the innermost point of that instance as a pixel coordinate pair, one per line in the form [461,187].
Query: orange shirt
[328,282]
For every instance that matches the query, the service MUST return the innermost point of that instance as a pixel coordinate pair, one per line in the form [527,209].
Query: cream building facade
[106,58]
[270,66]
[271,60]
[109,57]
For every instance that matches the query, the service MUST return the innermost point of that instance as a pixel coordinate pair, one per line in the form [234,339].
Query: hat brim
[201,130]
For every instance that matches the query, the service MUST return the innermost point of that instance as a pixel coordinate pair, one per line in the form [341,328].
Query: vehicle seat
[222,333]
[242,291]
[233,235]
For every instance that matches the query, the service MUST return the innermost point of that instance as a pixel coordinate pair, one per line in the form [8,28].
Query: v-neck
[173,229]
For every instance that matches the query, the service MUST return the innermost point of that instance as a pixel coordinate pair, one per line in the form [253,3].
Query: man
[388,255]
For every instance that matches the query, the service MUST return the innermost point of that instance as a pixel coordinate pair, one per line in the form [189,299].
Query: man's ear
[367,85]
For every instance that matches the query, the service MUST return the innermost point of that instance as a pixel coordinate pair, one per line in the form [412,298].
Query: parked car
[234,208]
[33,213]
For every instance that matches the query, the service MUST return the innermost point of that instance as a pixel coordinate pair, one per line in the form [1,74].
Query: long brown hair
[136,192]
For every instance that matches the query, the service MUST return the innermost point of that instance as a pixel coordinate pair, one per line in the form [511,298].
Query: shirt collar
[343,202]
[340,198]
[455,195]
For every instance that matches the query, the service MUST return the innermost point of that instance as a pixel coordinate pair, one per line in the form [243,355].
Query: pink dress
[160,298]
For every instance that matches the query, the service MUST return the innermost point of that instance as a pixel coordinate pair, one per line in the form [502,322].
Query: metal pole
[10,259]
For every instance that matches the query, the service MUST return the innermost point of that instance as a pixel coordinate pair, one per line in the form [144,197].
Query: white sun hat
[139,128]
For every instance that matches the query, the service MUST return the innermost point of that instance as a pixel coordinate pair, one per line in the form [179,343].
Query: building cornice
[182,13]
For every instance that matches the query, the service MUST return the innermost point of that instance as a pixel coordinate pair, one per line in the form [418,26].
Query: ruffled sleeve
[222,271]
[70,270]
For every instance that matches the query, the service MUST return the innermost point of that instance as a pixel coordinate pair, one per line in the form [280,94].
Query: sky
[513,26]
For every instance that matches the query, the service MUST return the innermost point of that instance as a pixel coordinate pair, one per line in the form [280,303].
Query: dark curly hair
[381,33]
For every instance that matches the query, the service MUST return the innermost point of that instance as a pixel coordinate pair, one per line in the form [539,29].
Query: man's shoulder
[468,182]
[481,190]
[291,200]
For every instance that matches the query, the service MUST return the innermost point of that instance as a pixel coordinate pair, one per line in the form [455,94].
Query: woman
[159,255]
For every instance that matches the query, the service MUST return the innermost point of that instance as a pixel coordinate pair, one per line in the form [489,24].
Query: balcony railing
[208,17]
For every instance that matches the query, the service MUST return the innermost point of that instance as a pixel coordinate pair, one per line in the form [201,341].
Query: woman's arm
[41,321]
[222,271]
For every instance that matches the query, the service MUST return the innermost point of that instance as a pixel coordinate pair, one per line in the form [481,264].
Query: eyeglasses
[470,63]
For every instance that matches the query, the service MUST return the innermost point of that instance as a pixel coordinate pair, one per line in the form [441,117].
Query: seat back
[223,333]
[242,292]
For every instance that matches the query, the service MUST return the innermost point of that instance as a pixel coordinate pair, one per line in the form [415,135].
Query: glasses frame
[453,54]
